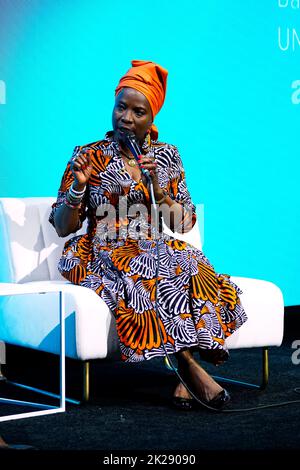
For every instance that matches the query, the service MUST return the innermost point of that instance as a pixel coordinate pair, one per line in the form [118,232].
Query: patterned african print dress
[196,306]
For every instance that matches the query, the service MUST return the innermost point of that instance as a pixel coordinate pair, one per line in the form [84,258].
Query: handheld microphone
[131,142]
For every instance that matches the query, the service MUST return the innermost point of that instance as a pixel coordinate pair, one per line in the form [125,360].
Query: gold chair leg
[86,381]
[265,368]
[264,378]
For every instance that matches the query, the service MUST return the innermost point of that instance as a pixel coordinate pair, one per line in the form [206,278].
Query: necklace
[131,160]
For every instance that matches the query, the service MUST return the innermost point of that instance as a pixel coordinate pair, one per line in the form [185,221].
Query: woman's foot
[199,381]
[182,399]
[181,392]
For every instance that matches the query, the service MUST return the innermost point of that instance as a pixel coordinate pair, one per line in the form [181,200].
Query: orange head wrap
[151,80]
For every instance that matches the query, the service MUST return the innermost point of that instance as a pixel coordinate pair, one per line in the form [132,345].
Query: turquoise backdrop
[232,108]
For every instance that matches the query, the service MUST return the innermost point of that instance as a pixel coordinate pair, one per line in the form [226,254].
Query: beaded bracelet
[75,201]
[72,206]
[75,196]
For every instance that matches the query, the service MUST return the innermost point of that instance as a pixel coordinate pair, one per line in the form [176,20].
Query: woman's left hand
[150,164]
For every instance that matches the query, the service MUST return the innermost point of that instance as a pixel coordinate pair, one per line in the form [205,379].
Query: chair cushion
[263,303]
[33,321]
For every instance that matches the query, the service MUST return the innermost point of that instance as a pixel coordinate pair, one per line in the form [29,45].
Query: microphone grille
[130,136]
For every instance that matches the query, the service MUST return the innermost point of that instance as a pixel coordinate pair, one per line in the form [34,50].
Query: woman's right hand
[81,167]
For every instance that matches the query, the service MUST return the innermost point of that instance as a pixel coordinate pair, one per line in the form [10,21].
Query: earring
[148,137]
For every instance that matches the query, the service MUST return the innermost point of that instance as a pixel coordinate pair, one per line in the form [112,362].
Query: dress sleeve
[179,192]
[65,184]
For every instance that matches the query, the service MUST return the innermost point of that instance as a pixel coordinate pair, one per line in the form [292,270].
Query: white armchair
[30,253]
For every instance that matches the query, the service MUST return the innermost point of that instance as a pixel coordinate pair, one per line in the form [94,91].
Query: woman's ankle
[184,357]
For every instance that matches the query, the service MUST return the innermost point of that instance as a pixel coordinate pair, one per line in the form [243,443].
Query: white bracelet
[77,192]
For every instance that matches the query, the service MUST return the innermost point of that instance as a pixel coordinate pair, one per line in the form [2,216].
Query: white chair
[30,253]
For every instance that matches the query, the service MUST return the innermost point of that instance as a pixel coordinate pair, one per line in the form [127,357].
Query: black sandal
[185,404]
[220,400]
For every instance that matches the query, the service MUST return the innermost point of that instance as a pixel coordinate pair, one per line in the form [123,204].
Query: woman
[117,257]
